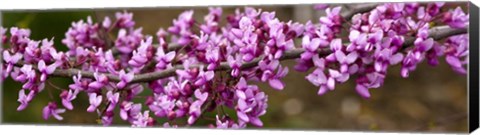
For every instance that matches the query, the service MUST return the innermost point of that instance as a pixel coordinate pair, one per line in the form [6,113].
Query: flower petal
[243,116]
[395,59]
[46,112]
[351,57]
[322,90]
[67,104]
[242,105]
[242,83]
[453,61]
[276,83]
[363,91]
[256,121]
[169,56]
[41,65]
[331,83]
[340,56]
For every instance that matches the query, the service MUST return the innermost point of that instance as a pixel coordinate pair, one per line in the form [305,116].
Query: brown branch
[436,33]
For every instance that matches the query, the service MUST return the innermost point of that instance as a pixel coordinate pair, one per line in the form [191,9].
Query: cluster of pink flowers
[213,67]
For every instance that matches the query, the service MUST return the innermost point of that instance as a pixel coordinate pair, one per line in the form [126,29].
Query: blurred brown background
[431,99]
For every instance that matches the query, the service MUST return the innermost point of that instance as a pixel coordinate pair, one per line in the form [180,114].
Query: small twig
[108,103]
[53,85]
[223,110]
[436,33]
[208,118]
[204,109]
[50,91]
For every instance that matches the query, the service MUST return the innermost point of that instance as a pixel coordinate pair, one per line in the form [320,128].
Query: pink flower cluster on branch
[192,72]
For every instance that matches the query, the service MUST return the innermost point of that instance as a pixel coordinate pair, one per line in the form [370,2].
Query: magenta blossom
[143,120]
[235,62]
[164,59]
[251,103]
[128,40]
[320,6]
[10,60]
[107,118]
[95,101]
[124,20]
[24,99]
[198,67]
[196,107]
[456,18]
[140,58]
[101,80]
[79,84]
[46,70]
[52,110]
[106,23]
[128,110]
[125,79]
[204,76]
[457,53]
[227,123]
[311,46]
[162,105]
[26,74]
[3,37]
[19,37]
[112,99]
[67,97]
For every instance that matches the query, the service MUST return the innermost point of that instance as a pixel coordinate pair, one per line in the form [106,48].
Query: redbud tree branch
[436,33]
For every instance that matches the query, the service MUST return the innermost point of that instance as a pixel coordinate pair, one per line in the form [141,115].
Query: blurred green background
[431,99]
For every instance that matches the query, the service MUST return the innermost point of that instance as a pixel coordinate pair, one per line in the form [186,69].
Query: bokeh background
[431,99]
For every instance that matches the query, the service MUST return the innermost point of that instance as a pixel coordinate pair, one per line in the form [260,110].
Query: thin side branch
[359,9]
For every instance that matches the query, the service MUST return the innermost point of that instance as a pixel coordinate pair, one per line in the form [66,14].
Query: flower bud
[64,94]
[149,100]
[171,115]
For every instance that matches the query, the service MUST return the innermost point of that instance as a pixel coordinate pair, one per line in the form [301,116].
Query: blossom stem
[50,91]
[53,85]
